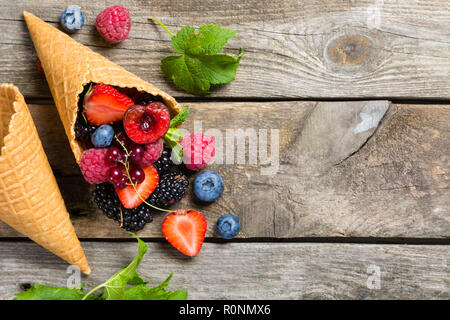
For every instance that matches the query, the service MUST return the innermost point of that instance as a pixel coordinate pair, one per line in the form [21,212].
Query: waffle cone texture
[30,200]
[69,66]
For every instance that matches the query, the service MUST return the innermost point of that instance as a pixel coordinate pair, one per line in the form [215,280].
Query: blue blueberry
[72,19]
[208,186]
[228,226]
[103,136]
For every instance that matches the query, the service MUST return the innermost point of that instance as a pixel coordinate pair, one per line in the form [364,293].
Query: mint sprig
[173,135]
[200,63]
[126,284]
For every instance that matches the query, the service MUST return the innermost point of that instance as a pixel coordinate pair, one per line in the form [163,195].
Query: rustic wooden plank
[334,178]
[279,270]
[296,48]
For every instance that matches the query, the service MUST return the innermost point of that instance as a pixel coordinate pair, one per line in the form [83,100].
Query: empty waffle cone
[69,66]
[30,200]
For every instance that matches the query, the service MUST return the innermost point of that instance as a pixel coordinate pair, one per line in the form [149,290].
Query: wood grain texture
[293,48]
[346,169]
[221,271]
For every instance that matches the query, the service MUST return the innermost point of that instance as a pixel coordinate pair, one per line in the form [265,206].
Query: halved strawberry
[128,196]
[104,104]
[185,230]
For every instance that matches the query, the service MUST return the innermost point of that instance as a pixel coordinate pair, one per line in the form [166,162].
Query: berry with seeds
[114,24]
[72,19]
[103,104]
[103,136]
[107,200]
[164,164]
[228,226]
[198,150]
[185,230]
[147,98]
[172,187]
[128,195]
[152,152]
[83,128]
[146,124]
[94,166]
[208,186]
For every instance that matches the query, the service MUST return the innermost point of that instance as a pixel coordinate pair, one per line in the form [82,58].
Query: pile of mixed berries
[124,133]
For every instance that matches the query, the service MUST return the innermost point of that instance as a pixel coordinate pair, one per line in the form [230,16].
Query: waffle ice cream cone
[30,200]
[69,66]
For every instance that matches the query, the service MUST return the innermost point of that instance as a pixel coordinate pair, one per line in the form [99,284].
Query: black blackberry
[132,219]
[172,187]
[164,164]
[147,98]
[83,128]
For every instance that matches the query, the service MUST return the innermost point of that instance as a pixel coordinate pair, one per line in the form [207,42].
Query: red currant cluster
[127,156]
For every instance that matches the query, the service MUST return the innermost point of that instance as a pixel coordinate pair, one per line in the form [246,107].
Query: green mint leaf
[114,287]
[41,292]
[180,118]
[200,63]
[143,292]
[172,138]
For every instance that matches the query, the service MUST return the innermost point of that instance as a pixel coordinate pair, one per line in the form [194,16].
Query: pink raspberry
[114,24]
[94,165]
[152,153]
[198,150]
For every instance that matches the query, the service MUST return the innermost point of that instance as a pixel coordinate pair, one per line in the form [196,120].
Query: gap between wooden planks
[294,49]
[362,169]
[250,270]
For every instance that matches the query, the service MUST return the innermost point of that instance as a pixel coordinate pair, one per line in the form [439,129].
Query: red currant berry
[137,175]
[113,155]
[123,183]
[137,152]
[115,175]
[123,138]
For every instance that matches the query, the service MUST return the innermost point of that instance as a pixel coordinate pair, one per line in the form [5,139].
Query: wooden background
[359,91]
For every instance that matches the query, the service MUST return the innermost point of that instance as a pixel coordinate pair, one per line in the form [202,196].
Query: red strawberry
[185,230]
[104,104]
[128,196]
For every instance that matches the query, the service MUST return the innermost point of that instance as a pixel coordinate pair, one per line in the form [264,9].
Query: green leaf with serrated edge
[143,292]
[42,292]
[174,67]
[210,39]
[172,138]
[180,117]
[216,69]
[114,287]
[179,41]
[199,64]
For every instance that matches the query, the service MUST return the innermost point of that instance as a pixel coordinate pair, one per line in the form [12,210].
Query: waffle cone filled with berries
[30,200]
[69,66]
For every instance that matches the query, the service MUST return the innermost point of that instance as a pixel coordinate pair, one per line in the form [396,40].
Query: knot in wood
[349,50]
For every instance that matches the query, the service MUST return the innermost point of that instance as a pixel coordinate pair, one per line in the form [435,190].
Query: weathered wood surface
[347,169]
[293,48]
[278,271]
